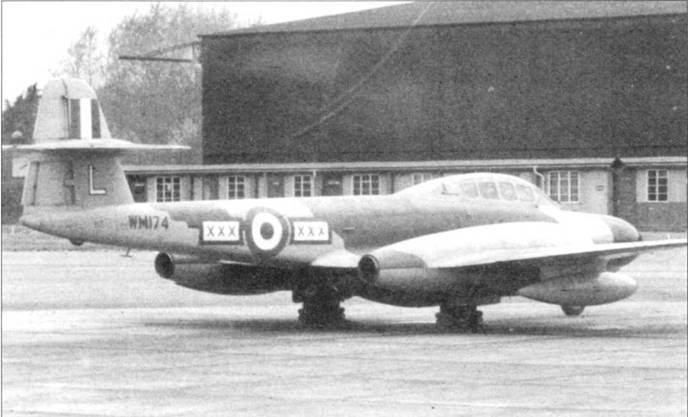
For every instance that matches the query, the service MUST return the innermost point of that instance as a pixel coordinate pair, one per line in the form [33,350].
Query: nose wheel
[572,311]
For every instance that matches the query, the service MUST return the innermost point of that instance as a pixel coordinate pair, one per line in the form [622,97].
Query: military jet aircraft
[457,242]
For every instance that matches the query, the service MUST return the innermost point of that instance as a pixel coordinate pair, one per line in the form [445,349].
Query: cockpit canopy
[483,186]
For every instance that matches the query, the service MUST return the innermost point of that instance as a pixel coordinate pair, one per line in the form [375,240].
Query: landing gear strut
[321,307]
[459,317]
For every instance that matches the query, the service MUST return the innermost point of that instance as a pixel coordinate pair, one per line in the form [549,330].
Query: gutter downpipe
[540,176]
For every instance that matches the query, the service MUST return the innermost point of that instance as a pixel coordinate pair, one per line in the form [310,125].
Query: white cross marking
[311,231]
[221,231]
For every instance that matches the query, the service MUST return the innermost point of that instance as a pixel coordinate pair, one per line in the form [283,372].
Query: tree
[20,115]
[84,59]
[17,116]
[157,102]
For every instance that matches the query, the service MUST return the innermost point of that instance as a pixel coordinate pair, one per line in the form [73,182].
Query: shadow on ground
[563,326]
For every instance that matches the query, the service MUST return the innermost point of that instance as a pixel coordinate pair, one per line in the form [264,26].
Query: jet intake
[582,290]
[369,268]
[398,271]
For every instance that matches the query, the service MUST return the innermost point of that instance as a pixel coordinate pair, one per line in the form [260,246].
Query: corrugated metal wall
[612,87]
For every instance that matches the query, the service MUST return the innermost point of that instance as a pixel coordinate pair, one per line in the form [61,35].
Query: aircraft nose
[622,230]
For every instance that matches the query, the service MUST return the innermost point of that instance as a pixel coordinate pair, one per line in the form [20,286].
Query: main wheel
[321,307]
[572,311]
[459,318]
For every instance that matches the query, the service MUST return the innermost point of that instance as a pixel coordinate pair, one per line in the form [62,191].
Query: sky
[36,35]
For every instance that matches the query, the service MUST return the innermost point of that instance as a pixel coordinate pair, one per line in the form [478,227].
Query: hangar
[587,100]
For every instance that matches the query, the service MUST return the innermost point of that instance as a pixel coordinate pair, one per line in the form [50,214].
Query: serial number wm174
[148,222]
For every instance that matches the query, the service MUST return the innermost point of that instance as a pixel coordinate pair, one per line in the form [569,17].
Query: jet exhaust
[164,265]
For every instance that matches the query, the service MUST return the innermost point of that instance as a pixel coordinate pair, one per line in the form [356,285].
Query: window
[236,187]
[488,189]
[562,186]
[303,185]
[657,185]
[421,177]
[469,189]
[524,193]
[507,190]
[366,184]
[167,189]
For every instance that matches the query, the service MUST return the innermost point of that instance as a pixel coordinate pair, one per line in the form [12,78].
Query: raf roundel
[268,232]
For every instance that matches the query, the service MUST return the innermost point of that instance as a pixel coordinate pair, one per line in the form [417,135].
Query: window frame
[564,186]
[300,186]
[236,190]
[162,195]
[365,184]
[507,191]
[488,190]
[657,185]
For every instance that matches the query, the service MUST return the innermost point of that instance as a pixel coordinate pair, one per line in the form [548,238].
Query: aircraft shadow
[555,327]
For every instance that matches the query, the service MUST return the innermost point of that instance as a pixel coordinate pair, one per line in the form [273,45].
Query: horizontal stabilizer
[107,146]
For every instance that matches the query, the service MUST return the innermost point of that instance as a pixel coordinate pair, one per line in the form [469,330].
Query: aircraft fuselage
[297,229]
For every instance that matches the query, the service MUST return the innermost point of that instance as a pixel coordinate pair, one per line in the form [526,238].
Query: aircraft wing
[546,255]
[432,261]
[504,258]
[440,257]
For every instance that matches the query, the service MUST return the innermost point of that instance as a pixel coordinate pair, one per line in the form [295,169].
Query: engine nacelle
[220,278]
[582,290]
[403,272]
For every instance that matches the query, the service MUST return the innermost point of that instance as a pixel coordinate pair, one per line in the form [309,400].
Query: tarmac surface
[97,334]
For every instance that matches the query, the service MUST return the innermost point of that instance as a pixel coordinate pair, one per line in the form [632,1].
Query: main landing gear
[321,307]
[459,318]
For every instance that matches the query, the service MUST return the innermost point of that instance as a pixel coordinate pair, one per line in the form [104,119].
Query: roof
[403,166]
[473,12]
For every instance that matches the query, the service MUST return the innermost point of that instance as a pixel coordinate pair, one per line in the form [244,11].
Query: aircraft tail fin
[73,162]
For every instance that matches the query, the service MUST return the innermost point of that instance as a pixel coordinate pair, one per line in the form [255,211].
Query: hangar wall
[560,91]
[584,88]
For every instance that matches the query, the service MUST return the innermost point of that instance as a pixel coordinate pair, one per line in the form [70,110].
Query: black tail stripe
[95,120]
[74,119]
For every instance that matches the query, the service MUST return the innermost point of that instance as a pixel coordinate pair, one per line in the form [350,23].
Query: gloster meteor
[457,242]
